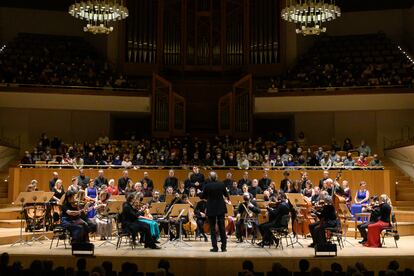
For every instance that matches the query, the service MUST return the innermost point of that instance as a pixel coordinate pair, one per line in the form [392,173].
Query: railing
[262,91]
[74,87]
[186,167]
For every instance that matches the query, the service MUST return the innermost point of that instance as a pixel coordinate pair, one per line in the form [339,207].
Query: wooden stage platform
[197,260]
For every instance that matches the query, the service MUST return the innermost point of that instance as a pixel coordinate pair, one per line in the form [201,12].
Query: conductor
[214,192]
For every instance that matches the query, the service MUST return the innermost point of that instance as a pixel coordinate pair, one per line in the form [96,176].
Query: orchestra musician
[327,219]
[279,209]
[103,224]
[174,223]
[201,217]
[374,209]
[131,223]
[374,229]
[155,197]
[146,217]
[73,219]
[246,210]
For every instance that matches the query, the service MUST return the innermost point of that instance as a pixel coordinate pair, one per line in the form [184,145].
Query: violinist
[247,210]
[374,230]
[327,219]
[146,217]
[129,219]
[276,210]
[374,209]
[103,223]
[73,219]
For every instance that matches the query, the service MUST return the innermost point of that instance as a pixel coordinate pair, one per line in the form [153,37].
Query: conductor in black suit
[214,192]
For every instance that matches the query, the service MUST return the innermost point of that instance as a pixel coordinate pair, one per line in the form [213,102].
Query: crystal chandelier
[99,14]
[309,15]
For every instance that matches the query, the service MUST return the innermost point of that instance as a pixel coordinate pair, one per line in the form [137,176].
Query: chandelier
[309,15]
[99,14]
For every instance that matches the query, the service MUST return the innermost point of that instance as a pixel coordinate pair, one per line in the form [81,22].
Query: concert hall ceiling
[346,5]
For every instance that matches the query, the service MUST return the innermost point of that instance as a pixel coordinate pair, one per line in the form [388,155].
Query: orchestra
[83,210]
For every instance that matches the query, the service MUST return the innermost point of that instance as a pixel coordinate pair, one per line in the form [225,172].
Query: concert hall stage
[197,260]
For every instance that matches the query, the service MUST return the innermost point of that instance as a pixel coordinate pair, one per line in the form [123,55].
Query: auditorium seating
[39,59]
[347,61]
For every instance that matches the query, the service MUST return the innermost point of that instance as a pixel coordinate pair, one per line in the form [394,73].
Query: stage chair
[282,232]
[121,234]
[335,232]
[60,233]
[391,231]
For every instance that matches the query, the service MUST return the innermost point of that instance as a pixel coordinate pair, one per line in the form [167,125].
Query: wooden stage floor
[197,260]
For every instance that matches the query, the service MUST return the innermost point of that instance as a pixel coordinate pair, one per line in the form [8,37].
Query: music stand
[297,200]
[118,198]
[158,208]
[262,204]
[345,215]
[230,210]
[194,200]
[146,199]
[178,211]
[112,209]
[22,199]
[236,199]
[169,199]
[43,198]
[260,197]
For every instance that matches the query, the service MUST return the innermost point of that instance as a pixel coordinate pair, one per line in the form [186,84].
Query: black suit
[216,208]
[275,219]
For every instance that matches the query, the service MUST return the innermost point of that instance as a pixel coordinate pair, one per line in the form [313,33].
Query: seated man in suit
[276,214]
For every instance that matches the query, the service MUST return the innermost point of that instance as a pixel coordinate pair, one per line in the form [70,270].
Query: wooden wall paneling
[377,180]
